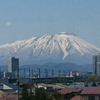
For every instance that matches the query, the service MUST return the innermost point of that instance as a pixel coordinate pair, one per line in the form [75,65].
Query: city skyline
[25,19]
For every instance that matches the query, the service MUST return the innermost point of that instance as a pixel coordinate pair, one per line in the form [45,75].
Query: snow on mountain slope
[61,47]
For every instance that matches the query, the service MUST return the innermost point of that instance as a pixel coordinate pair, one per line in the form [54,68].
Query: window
[91,98]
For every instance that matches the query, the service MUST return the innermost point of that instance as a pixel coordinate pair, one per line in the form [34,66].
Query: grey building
[13,66]
[96,64]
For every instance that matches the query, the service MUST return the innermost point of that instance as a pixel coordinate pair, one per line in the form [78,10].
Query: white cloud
[8,23]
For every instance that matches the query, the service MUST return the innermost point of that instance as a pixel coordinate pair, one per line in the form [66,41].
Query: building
[13,66]
[74,73]
[96,64]
[8,75]
[81,93]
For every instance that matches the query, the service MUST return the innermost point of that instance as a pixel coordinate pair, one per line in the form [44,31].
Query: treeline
[40,94]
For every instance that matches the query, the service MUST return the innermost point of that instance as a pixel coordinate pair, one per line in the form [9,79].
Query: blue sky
[23,19]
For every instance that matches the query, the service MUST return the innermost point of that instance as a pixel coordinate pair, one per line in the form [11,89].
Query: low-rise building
[84,93]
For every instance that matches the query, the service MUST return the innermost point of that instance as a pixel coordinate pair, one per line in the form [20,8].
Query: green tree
[50,97]
[57,96]
[26,94]
[59,79]
[40,94]
[94,84]
[93,78]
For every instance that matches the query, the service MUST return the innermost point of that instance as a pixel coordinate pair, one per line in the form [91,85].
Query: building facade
[96,64]
[13,66]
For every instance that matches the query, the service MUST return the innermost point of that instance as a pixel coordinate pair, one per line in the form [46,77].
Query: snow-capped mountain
[57,48]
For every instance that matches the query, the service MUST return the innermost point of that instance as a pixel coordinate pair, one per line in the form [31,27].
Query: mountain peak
[65,33]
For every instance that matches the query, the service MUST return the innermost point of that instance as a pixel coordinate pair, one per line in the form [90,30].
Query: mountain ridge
[62,47]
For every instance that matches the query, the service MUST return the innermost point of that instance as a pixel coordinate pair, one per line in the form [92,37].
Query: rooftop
[76,98]
[90,90]
[70,90]
[83,90]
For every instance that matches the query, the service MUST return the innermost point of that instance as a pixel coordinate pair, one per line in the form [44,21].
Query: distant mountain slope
[58,66]
[57,48]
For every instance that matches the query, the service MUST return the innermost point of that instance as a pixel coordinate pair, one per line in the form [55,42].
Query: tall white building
[13,66]
[96,64]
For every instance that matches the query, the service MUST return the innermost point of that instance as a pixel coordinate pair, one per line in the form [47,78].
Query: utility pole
[59,75]
[46,76]
[52,76]
[0,72]
[24,73]
[32,72]
[39,75]
[17,83]
[63,77]
[29,74]
[74,78]
[17,73]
